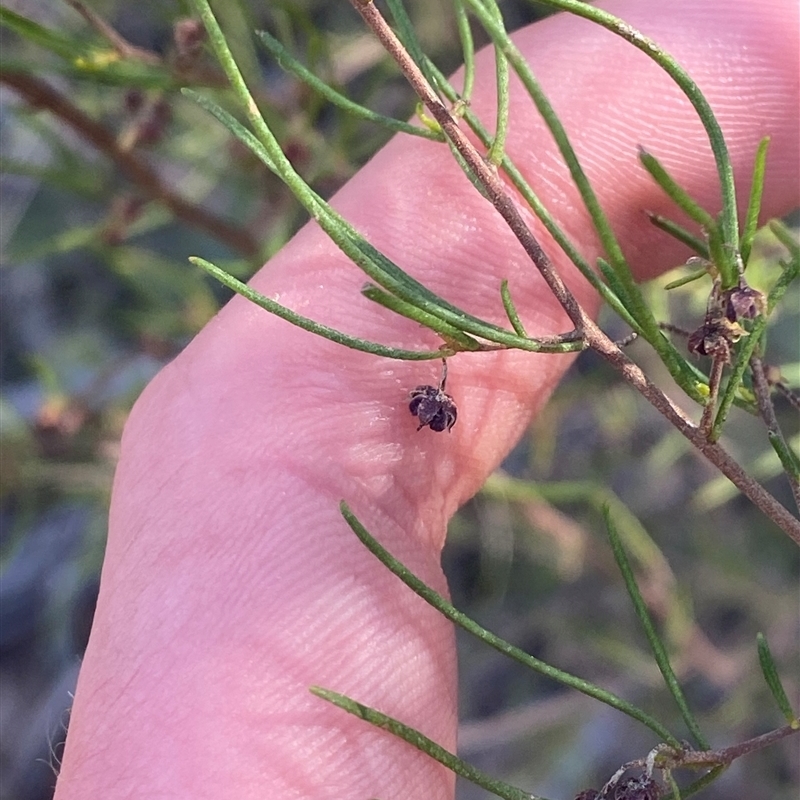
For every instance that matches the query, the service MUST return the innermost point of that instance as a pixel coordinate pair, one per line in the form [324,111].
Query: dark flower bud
[715,337]
[188,35]
[433,406]
[743,302]
[710,340]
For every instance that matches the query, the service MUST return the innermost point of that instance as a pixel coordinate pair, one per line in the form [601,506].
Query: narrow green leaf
[674,191]
[81,59]
[616,285]
[64,46]
[467,170]
[675,791]
[684,372]
[496,152]
[657,646]
[423,744]
[293,66]
[128,73]
[511,309]
[681,234]
[720,255]
[315,327]
[770,671]
[705,780]
[786,237]
[83,182]
[754,203]
[463,621]
[686,279]
[72,238]
[467,50]
[234,126]
[451,334]
[791,269]
[790,461]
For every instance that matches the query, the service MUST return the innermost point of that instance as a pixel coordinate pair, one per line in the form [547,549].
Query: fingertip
[613,99]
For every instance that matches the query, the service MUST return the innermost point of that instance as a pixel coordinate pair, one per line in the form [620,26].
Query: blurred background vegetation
[110,179]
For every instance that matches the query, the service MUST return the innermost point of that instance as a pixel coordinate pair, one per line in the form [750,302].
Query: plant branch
[121,45]
[39,94]
[715,758]
[767,412]
[485,175]
[714,380]
[448,610]
[717,455]
[423,744]
[494,190]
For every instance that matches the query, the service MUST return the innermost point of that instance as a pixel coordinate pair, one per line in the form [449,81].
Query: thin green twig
[729,219]
[788,458]
[771,676]
[315,327]
[469,625]
[423,744]
[293,66]
[754,202]
[657,646]
[496,152]
[681,234]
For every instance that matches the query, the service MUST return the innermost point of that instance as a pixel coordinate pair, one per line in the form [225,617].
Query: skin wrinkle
[294,716]
[360,616]
[236,399]
[385,526]
[355,677]
[374,436]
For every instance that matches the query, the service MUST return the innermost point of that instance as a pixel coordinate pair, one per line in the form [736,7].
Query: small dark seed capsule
[743,302]
[641,788]
[433,406]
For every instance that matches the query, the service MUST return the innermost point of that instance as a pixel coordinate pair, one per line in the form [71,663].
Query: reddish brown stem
[39,94]
[714,380]
[719,758]
[595,338]
[767,411]
[119,43]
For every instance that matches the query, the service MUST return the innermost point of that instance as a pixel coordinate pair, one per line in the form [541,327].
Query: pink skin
[231,583]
